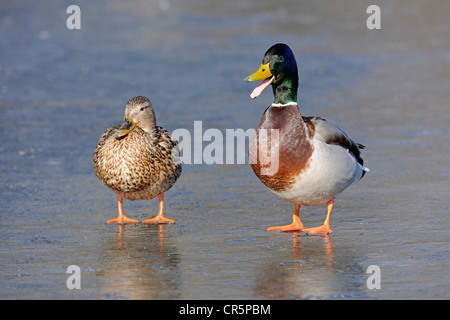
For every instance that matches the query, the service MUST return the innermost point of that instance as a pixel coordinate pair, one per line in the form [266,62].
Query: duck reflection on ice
[140,264]
[310,270]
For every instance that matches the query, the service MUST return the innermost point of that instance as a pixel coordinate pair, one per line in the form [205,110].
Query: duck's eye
[281,58]
[263,70]
[142,109]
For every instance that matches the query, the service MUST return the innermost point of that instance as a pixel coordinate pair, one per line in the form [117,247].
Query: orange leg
[324,229]
[296,224]
[159,218]
[121,219]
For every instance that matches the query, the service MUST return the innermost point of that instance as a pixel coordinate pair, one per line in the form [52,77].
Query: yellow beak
[127,126]
[262,73]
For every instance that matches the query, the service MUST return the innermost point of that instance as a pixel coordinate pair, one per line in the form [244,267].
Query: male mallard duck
[316,160]
[138,160]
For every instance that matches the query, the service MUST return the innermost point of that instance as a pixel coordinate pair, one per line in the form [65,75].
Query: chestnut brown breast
[292,150]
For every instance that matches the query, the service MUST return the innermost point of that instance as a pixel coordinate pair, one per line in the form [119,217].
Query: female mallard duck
[315,159]
[138,160]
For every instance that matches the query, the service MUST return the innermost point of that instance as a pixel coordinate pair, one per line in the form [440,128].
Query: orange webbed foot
[296,224]
[287,228]
[323,231]
[158,220]
[122,220]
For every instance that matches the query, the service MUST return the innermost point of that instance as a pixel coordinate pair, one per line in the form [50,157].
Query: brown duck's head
[138,113]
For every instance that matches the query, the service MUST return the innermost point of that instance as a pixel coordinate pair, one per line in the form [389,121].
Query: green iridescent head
[279,69]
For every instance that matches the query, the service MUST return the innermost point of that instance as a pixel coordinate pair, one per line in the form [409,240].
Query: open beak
[127,126]
[263,73]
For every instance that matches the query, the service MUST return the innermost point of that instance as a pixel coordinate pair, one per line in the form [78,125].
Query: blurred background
[60,89]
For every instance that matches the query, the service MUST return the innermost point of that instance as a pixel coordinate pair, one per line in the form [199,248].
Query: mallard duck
[138,160]
[315,159]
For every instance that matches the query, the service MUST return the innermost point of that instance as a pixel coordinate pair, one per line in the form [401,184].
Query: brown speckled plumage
[140,165]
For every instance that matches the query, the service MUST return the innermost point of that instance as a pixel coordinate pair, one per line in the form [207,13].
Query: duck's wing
[331,133]
[168,148]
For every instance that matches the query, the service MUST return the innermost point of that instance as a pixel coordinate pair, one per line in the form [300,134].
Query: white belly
[331,170]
